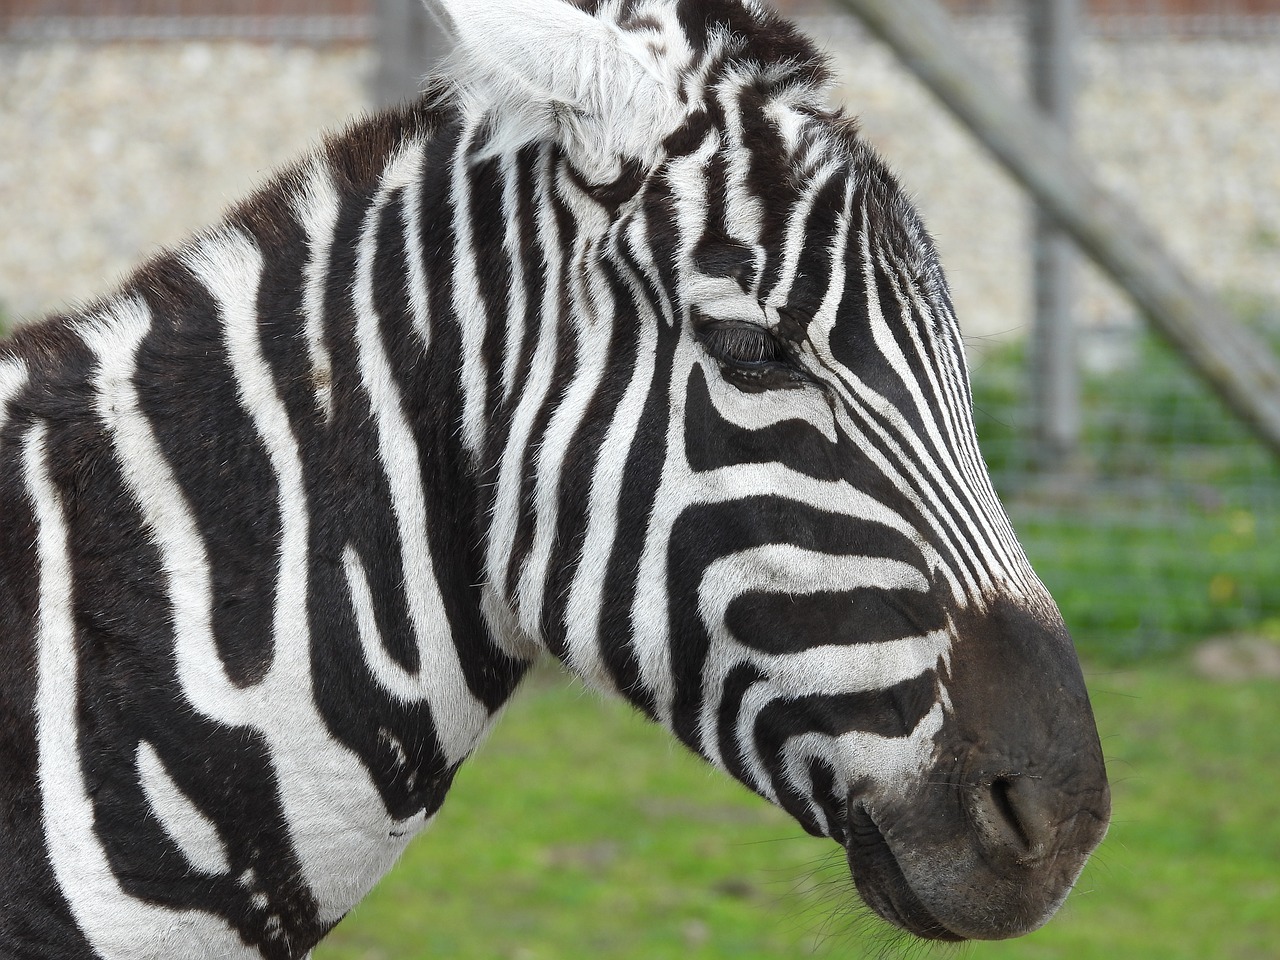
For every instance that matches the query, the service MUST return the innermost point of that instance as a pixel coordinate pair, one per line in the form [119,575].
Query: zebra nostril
[1014,816]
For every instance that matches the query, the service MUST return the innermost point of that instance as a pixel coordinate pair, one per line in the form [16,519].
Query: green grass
[580,831]
[1136,583]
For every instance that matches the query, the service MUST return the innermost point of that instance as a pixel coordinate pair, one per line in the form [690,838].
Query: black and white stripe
[664,381]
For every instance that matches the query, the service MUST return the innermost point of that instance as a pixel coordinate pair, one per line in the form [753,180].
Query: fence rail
[113,20]
[353,20]
[297,28]
[1235,19]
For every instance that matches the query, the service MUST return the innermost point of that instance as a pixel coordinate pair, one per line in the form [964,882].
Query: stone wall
[108,153]
[1186,131]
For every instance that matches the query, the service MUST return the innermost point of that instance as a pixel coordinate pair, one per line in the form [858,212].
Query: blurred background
[1150,512]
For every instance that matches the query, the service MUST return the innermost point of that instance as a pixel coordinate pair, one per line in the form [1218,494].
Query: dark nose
[1016,815]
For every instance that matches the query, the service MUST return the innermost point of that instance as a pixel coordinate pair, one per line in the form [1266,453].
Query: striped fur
[671,389]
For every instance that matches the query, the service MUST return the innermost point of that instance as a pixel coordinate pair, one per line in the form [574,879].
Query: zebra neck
[257,440]
[520,309]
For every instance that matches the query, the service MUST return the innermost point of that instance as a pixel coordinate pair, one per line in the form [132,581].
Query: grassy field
[580,831]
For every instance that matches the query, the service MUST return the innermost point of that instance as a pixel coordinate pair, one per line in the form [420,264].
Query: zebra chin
[960,890]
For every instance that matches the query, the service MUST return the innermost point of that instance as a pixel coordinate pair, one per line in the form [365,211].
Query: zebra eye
[742,344]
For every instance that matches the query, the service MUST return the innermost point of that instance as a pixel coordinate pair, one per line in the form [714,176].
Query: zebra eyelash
[743,345]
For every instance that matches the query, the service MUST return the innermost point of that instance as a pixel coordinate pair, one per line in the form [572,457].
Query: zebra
[618,347]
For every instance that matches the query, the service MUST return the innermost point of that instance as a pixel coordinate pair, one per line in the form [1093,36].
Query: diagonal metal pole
[1236,364]
[408,45]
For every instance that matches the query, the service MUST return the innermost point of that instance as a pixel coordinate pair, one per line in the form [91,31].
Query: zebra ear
[544,69]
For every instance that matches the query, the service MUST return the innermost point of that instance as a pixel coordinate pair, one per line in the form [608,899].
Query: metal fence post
[1053,26]
[408,46]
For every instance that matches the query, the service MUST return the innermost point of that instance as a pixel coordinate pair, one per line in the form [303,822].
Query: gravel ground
[110,152]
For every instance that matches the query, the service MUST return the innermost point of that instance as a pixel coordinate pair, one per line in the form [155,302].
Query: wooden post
[1052,26]
[1238,365]
[408,46]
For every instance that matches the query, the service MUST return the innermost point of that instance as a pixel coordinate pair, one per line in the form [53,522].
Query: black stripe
[781,623]
[129,691]
[582,456]
[217,457]
[892,712]
[711,442]
[640,484]
[704,533]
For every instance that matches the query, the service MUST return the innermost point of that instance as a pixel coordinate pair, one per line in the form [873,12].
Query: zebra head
[742,488]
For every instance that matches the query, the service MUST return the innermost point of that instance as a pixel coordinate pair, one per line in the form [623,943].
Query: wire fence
[1157,531]
[1159,528]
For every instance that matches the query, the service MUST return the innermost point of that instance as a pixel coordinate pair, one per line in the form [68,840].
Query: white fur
[512,245]
[416,258]
[393,678]
[797,227]
[316,207]
[468,302]
[745,410]
[193,832]
[544,70]
[744,211]
[13,377]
